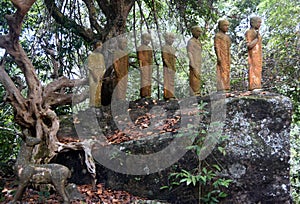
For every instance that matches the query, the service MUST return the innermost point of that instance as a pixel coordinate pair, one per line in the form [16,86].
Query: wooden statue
[254,45]
[145,59]
[121,65]
[194,51]
[222,44]
[169,62]
[27,172]
[96,66]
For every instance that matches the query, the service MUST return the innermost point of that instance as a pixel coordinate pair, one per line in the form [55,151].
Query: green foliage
[44,194]
[295,162]
[282,48]
[63,110]
[207,176]
[9,143]
[6,8]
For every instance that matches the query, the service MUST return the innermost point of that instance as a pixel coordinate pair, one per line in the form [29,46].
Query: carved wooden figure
[145,59]
[121,65]
[222,44]
[96,66]
[55,174]
[169,63]
[194,51]
[254,45]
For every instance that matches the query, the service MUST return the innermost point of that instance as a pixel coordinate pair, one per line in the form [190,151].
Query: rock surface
[257,148]
[257,151]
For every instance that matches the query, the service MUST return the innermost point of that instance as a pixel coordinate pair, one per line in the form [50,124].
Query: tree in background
[33,109]
[282,49]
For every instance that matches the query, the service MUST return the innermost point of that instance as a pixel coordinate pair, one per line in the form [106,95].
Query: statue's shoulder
[167,48]
[218,35]
[250,31]
[192,41]
[96,54]
[144,48]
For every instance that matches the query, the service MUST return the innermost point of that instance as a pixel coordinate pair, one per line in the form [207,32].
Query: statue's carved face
[146,38]
[224,26]
[255,22]
[122,43]
[196,31]
[169,39]
[98,46]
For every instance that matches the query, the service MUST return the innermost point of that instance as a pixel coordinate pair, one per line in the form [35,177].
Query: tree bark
[115,11]
[33,111]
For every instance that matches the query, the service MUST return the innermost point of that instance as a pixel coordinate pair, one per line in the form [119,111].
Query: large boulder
[257,148]
[257,151]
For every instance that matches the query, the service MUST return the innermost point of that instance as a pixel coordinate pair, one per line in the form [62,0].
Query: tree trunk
[32,112]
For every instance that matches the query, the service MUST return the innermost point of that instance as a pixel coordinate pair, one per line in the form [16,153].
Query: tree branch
[4,41]
[11,43]
[23,6]
[105,6]
[92,15]
[86,34]
[15,21]
[117,17]
[22,115]
[62,82]
[53,97]
[14,95]
[24,63]
[59,99]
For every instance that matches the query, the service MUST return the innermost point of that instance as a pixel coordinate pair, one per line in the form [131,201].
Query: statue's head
[146,38]
[223,25]
[255,22]
[196,31]
[122,43]
[98,45]
[169,38]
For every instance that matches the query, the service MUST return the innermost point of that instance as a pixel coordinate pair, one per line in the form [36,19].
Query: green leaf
[217,167]
[222,195]
[194,180]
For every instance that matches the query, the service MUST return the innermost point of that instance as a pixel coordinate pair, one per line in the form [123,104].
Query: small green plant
[209,175]
[44,195]
[205,177]
[202,108]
